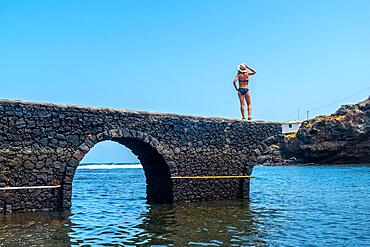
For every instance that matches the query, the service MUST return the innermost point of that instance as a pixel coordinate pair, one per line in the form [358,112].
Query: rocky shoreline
[340,138]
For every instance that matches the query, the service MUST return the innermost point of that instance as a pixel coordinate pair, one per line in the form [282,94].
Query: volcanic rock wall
[42,144]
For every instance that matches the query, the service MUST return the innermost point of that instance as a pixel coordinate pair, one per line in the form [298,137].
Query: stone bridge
[42,144]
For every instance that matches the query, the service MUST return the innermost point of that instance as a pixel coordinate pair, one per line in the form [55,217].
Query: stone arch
[149,152]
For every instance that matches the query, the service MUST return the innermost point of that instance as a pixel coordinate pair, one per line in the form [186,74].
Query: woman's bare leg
[249,105]
[241,99]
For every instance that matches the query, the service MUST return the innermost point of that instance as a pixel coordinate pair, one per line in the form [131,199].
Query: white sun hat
[242,67]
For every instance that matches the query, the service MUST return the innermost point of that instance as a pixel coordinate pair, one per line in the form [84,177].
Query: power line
[336,102]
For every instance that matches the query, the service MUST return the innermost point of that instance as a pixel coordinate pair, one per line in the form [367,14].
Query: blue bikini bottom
[243,91]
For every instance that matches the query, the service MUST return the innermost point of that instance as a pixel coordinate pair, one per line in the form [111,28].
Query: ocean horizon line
[110,165]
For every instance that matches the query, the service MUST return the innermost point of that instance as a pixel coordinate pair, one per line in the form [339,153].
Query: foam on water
[109,166]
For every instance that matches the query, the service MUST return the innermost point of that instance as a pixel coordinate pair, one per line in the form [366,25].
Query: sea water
[289,206]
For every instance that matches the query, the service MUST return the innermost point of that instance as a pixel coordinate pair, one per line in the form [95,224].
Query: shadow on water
[201,224]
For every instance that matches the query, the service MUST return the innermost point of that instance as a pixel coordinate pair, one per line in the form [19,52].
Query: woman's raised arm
[252,70]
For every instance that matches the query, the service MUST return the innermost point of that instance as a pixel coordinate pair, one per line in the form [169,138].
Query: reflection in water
[109,208]
[290,206]
[207,224]
[34,228]
[114,211]
[227,223]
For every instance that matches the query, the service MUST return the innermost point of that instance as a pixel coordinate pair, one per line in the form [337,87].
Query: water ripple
[289,206]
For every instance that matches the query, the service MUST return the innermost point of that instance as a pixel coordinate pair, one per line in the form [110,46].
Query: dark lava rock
[341,138]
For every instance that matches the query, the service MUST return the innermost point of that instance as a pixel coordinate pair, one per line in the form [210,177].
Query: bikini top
[244,80]
[247,80]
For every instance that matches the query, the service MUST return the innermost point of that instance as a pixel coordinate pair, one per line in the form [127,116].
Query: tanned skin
[243,78]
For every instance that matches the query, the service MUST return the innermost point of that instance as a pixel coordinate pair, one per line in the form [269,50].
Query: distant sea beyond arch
[96,166]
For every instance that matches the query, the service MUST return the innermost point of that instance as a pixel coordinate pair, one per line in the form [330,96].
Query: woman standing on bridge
[243,91]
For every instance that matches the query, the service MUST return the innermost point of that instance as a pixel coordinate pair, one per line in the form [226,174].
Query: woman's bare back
[243,79]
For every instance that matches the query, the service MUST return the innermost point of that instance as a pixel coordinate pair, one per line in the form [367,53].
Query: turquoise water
[289,206]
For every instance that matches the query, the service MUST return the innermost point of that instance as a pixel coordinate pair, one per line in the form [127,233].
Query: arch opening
[159,187]
[109,152]
[156,170]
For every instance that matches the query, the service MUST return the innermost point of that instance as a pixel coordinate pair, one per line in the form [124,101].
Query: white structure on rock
[291,126]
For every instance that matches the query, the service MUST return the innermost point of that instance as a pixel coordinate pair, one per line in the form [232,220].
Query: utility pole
[308,113]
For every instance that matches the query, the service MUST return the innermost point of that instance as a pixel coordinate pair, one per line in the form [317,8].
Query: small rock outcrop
[271,153]
[341,138]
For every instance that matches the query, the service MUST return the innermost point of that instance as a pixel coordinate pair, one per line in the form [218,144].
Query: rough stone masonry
[42,144]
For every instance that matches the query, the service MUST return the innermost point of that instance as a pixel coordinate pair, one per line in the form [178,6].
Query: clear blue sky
[181,56]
